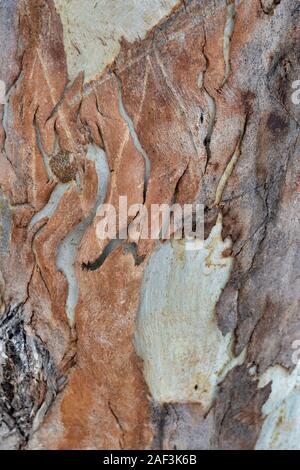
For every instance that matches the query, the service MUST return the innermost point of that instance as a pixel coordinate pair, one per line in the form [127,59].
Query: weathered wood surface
[202,102]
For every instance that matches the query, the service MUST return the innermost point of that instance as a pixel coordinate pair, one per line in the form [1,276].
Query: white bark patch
[49,209]
[134,135]
[227,173]
[67,251]
[281,428]
[228,31]
[185,355]
[93,29]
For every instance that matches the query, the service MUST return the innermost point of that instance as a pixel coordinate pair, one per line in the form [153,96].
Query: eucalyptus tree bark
[145,344]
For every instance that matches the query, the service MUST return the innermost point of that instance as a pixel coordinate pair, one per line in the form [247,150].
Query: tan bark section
[199,110]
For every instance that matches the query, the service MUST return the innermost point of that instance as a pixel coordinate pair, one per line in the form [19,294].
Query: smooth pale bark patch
[92,30]
[281,428]
[67,250]
[185,354]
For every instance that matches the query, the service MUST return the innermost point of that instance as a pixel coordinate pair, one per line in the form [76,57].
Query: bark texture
[198,109]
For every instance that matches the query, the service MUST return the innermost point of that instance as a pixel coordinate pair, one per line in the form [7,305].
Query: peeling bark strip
[150,346]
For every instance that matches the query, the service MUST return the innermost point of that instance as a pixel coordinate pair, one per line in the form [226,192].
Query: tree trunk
[139,343]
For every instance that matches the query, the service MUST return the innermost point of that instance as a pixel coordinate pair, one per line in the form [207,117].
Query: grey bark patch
[276,124]
[27,379]
[182,427]
[238,411]
[269,6]
[5,225]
